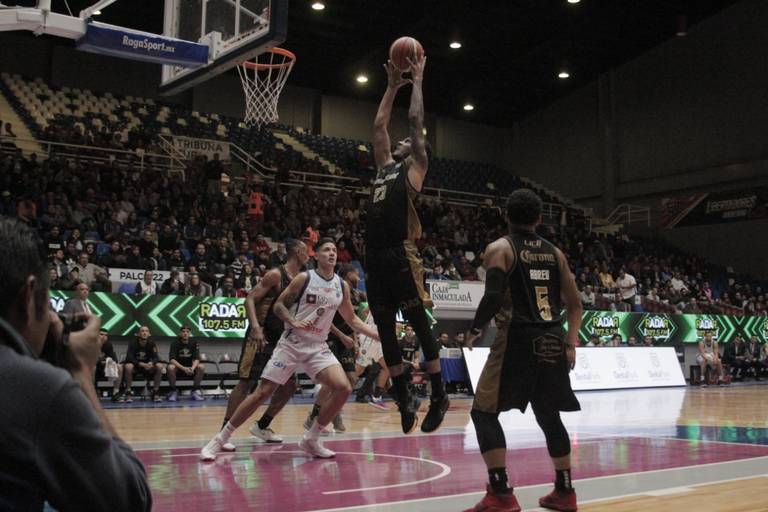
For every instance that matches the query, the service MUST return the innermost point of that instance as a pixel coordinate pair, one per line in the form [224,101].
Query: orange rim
[289,55]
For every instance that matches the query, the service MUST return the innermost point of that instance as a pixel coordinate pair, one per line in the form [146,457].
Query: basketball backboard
[233,30]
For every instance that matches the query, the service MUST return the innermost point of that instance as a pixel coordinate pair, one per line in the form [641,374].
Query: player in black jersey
[531,363]
[395,274]
[262,333]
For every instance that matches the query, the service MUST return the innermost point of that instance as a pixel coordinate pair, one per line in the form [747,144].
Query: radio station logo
[658,327]
[707,325]
[605,325]
[222,316]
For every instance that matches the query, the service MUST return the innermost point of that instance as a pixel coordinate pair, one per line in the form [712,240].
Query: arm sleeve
[490,304]
[84,467]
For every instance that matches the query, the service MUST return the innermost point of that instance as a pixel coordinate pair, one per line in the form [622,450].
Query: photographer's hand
[84,346]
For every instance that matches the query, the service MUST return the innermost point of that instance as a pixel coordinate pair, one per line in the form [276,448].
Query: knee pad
[558,442]
[490,435]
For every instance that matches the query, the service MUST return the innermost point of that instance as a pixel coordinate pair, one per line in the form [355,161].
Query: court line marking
[661,492]
[445,469]
[548,485]
[667,438]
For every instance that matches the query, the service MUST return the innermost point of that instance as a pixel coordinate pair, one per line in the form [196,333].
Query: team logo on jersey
[320,312]
[311,298]
[548,348]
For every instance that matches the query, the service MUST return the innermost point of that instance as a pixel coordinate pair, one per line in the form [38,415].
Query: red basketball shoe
[496,502]
[564,501]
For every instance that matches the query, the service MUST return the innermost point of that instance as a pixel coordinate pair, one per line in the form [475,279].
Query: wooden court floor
[723,419]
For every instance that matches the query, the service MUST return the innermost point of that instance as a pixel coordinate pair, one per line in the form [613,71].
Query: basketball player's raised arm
[347,312]
[418,169]
[569,293]
[270,280]
[498,260]
[382,146]
[288,298]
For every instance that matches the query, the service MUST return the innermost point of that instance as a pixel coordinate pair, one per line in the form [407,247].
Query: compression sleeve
[495,287]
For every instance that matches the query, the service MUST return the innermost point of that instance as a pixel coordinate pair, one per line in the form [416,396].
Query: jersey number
[542,302]
[379,193]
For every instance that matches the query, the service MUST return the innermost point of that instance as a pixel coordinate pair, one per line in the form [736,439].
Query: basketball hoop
[263,80]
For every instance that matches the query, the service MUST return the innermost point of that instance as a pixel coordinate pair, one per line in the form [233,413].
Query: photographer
[58,445]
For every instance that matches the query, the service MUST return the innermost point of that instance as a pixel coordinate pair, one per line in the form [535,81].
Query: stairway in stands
[297,145]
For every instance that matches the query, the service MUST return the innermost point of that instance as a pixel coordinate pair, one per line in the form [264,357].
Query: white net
[263,80]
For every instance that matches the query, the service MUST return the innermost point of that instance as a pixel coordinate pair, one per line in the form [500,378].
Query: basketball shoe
[265,434]
[212,449]
[493,502]
[315,448]
[434,418]
[564,501]
[408,418]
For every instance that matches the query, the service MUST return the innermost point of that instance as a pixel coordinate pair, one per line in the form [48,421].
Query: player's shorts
[252,362]
[708,356]
[344,355]
[527,365]
[293,355]
[370,352]
[396,277]
[142,373]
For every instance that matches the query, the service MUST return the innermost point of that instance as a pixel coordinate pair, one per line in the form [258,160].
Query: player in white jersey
[312,298]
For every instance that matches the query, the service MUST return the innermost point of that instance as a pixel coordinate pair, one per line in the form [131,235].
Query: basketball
[403,49]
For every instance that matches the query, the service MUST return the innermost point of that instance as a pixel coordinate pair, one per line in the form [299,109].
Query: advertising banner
[607,367]
[122,314]
[455,295]
[191,147]
[663,328]
[716,207]
[105,39]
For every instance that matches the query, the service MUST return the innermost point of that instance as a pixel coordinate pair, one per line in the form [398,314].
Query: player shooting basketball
[395,273]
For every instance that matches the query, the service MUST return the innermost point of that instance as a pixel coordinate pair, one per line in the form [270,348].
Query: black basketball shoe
[434,418]
[408,418]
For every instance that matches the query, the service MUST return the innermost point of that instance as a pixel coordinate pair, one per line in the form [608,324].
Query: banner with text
[122,314]
[715,207]
[191,147]
[455,294]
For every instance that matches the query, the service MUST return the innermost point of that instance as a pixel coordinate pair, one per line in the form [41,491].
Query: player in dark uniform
[531,363]
[262,333]
[341,340]
[395,274]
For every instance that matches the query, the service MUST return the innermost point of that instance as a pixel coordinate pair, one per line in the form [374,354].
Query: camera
[72,322]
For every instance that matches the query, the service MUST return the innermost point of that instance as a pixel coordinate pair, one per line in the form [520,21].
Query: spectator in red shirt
[343,255]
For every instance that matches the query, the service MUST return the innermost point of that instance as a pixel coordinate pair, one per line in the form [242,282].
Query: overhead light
[361,79]
[468,107]
[96,13]
[455,45]
[318,6]
[563,75]
[573,1]
[682,26]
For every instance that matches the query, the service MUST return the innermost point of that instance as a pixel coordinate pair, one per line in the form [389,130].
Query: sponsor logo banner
[716,207]
[607,367]
[122,314]
[455,294]
[106,39]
